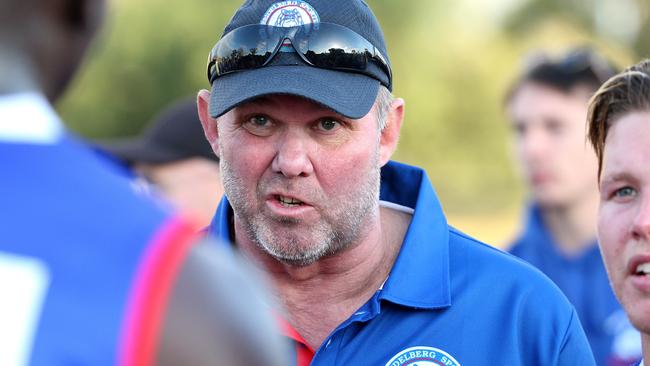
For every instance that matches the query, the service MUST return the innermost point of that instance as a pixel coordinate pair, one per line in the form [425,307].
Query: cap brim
[349,94]
[137,150]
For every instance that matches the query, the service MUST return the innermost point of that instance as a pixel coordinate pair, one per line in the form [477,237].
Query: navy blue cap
[347,93]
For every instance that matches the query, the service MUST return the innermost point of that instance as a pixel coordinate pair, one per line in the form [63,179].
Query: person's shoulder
[481,250]
[518,297]
[117,186]
[530,247]
[496,266]
[86,198]
[474,245]
[519,247]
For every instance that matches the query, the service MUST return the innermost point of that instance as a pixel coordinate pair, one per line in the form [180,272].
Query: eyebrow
[616,177]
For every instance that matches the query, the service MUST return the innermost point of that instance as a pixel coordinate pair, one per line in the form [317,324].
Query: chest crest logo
[422,356]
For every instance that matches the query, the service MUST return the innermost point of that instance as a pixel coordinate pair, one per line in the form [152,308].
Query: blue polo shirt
[449,299]
[583,279]
[84,260]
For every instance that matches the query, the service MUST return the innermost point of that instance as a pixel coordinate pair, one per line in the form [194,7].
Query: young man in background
[547,109]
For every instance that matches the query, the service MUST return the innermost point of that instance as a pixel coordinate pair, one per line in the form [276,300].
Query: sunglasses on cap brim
[322,45]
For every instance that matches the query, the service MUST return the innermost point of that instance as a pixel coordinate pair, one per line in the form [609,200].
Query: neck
[320,296]
[573,226]
[16,72]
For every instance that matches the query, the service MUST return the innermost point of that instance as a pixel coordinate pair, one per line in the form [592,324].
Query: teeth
[288,201]
[643,268]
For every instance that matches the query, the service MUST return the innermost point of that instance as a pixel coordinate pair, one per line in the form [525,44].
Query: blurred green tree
[622,21]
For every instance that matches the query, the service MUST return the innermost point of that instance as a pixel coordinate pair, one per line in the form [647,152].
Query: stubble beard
[342,222]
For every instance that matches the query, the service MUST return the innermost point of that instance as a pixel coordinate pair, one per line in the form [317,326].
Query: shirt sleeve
[575,349]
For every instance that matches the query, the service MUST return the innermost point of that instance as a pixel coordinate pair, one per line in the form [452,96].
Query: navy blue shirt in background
[583,279]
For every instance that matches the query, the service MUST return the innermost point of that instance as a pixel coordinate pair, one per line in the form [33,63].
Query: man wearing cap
[91,273]
[173,155]
[368,271]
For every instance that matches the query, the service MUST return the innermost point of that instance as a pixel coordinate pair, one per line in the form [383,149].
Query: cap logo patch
[422,356]
[290,14]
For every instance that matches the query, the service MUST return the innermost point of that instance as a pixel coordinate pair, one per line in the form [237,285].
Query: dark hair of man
[624,93]
[578,68]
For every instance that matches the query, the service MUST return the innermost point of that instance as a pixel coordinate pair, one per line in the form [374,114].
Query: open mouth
[288,201]
[642,269]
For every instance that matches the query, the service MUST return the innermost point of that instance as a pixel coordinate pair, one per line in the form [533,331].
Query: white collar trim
[397,207]
[28,118]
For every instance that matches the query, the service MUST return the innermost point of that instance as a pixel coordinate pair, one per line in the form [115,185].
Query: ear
[390,134]
[209,124]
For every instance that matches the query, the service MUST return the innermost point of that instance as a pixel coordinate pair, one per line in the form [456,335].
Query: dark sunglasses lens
[246,48]
[324,45]
[332,46]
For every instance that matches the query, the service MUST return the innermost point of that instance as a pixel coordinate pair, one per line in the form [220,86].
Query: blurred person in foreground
[619,130]
[303,120]
[547,109]
[173,155]
[90,272]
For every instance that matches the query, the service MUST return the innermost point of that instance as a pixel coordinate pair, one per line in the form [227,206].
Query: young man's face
[302,180]
[549,129]
[624,214]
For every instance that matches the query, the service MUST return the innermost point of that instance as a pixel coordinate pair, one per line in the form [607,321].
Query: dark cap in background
[174,134]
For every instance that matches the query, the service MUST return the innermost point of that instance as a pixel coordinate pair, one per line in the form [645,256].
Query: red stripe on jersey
[304,353]
[159,267]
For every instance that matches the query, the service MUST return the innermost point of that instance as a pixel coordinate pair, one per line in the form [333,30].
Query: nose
[292,158]
[641,224]
[532,145]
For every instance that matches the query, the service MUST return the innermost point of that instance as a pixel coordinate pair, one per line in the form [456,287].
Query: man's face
[549,128]
[303,181]
[624,214]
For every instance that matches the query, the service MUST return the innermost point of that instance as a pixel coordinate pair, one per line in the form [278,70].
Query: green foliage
[604,18]
[150,53]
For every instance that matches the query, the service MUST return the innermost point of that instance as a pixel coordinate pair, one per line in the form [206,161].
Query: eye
[519,129]
[328,124]
[259,120]
[624,192]
[259,125]
[554,126]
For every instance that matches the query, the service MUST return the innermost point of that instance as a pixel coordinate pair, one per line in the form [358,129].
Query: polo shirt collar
[220,227]
[420,276]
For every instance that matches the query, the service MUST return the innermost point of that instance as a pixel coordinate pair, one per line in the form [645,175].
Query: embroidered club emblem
[290,14]
[422,356]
